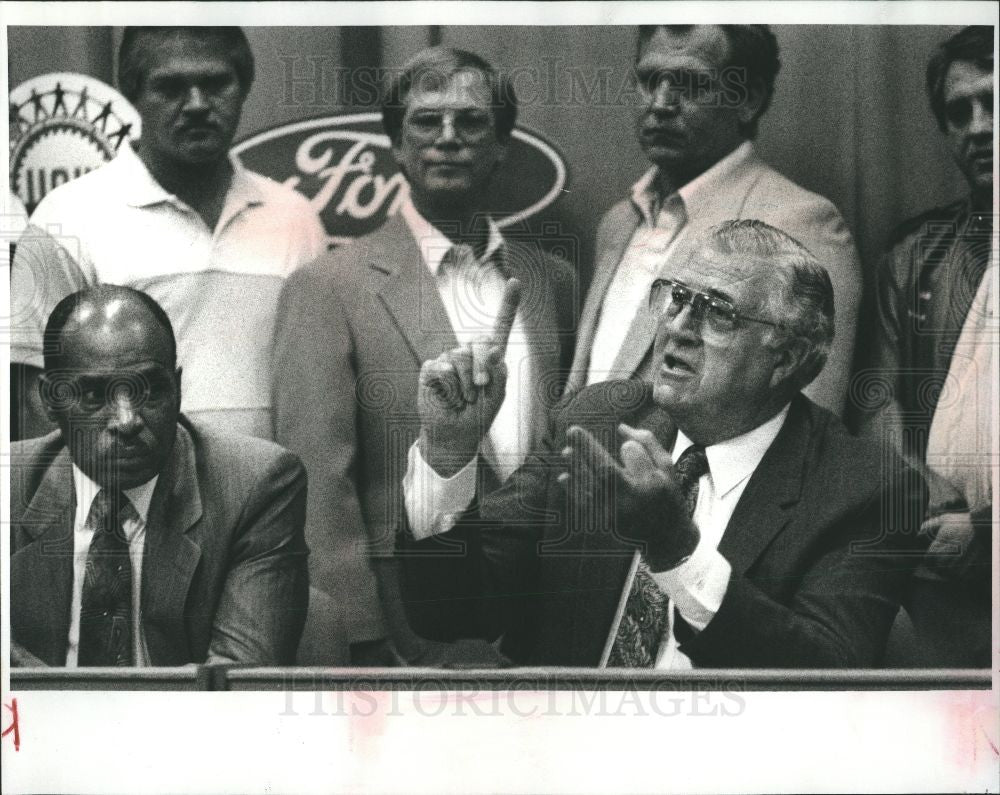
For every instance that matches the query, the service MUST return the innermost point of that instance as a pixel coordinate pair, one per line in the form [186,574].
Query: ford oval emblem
[344,166]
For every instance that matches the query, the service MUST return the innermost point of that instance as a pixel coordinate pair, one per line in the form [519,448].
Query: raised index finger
[505,317]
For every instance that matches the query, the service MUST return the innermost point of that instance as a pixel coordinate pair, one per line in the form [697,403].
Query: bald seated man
[137,537]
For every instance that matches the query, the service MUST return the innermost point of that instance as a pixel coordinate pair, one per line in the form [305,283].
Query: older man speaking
[716,518]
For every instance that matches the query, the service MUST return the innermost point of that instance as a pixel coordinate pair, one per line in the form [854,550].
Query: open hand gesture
[649,504]
[461,391]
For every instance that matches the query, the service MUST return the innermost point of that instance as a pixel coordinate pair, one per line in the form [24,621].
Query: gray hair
[801,300]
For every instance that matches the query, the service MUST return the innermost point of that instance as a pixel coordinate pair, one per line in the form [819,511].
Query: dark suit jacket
[819,544]
[353,329]
[755,190]
[224,575]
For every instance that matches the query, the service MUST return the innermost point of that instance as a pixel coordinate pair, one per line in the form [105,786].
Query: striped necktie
[645,619]
[106,607]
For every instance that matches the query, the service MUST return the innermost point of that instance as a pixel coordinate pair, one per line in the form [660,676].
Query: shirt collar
[434,244]
[734,460]
[696,193]
[142,190]
[86,490]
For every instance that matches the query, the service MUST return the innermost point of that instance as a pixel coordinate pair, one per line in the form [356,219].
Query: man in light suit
[703,90]
[138,537]
[354,327]
[736,523]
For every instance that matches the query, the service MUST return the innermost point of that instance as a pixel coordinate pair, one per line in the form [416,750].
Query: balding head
[111,384]
[107,310]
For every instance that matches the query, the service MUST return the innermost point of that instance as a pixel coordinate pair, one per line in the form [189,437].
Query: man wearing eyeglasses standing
[718,517]
[702,91]
[354,328]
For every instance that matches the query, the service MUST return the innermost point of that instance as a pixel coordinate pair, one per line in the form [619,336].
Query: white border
[122,742]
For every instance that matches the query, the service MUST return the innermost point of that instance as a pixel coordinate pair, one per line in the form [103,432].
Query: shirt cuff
[697,586]
[434,503]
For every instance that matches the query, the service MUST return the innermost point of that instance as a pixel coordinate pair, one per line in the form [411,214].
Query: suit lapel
[538,314]
[42,570]
[608,259]
[775,486]
[727,203]
[171,555]
[409,292]
[537,308]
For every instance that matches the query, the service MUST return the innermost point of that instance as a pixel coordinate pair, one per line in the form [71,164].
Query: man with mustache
[702,91]
[717,517]
[211,241]
[933,310]
[354,327]
[139,537]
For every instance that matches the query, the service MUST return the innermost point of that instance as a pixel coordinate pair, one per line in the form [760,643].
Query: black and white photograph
[500,397]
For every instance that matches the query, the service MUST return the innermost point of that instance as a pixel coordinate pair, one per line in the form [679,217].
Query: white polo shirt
[219,287]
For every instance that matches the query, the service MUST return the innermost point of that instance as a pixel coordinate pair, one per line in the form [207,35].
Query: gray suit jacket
[353,329]
[755,191]
[224,574]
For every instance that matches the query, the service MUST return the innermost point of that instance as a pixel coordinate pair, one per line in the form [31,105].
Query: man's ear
[44,386]
[177,385]
[790,358]
[750,107]
[503,146]
[395,149]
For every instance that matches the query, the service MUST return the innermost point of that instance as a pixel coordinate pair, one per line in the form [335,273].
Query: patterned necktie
[645,618]
[106,608]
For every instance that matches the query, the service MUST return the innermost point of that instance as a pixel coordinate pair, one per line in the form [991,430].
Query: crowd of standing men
[661,479]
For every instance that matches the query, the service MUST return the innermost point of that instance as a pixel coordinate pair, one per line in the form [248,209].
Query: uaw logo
[63,125]
[344,166]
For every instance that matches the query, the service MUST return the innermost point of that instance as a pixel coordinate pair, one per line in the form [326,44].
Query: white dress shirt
[654,240]
[219,287]
[135,532]
[696,587]
[471,289]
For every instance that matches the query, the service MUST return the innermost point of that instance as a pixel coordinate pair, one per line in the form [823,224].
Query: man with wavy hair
[702,91]
[933,357]
[354,327]
[716,517]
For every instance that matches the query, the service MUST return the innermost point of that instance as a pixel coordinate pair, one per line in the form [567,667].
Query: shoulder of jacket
[912,226]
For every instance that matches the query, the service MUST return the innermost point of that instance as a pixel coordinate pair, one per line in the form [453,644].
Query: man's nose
[981,122]
[125,418]
[195,99]
[447,134]
[665,97]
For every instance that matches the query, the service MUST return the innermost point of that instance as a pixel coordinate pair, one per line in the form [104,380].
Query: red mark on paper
[13,728]
[972,728]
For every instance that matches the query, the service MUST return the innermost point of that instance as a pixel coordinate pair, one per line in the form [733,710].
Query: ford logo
[344,166]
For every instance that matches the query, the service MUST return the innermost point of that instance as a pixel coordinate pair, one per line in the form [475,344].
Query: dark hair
[975,44]
[752,49]
[67,307]
[435,65]
[132,56]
